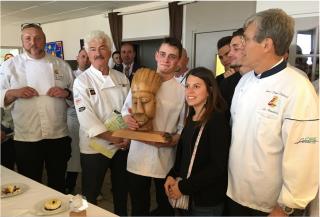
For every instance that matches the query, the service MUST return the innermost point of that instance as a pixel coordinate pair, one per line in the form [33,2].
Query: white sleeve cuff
[98,129]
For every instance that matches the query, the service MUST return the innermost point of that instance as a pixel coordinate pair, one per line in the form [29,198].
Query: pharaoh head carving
[144,87]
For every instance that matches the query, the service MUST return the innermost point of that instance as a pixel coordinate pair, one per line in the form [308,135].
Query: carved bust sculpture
[144,87]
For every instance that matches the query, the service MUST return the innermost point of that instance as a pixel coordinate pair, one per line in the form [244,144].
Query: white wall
[306,14]
[199,17]
[151,24]
[142,25]
[71,31]
[293,8]
[214,16]
[10,36]
[138,25]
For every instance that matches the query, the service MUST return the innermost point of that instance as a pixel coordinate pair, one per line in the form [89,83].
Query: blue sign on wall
[55,49]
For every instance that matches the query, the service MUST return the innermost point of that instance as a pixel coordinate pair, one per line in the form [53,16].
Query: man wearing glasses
[146,160]
[35,87]
[274,153]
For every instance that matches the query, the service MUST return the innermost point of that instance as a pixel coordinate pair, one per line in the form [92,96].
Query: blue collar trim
[281,66]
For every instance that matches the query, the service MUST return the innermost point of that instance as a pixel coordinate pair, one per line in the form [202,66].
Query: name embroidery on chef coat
[91,92]
[57,75]
[274,103]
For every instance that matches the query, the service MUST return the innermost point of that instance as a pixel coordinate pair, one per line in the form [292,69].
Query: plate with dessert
[51,206]
[12,189]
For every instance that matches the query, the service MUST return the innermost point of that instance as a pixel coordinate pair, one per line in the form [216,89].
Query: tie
[126,71]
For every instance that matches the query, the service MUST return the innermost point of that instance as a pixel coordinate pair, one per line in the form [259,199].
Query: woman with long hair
[205,182]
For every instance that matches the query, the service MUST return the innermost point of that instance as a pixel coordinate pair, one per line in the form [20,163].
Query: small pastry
[9,189]
[52,204]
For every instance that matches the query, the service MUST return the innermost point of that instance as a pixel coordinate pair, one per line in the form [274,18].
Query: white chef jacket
[73,128]
[95,97]
[41,117]
[71,110]
[274,150]
[77,72]
[148,160]
[182,79]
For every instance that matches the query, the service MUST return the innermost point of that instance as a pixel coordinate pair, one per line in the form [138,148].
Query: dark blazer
[135,67]
[207,184]
[118,67]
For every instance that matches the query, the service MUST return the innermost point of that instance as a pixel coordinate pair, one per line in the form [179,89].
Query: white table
[20,205]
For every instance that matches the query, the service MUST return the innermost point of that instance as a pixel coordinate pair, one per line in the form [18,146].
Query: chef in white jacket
[97,93]
[35,87]
[273,161]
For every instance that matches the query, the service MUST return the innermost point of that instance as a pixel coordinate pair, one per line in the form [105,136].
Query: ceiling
[18,12]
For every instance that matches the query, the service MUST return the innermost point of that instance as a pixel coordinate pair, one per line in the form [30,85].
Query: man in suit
[128,53]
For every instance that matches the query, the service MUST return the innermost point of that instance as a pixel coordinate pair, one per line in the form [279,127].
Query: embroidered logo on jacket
[57,75]
[77,101]
[274,101]
[310,140]
[81,109]
[91,92]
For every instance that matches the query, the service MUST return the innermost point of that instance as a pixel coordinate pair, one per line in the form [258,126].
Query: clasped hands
[171,187]
[28,92]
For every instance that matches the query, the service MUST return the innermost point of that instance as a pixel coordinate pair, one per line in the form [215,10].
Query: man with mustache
[35,86]
[98,92]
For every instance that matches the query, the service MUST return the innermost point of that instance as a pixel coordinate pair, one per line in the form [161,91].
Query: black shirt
[227,87]
[188,142]
[207,184]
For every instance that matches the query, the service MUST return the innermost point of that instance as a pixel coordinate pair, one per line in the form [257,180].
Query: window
[307,52]
[5,50]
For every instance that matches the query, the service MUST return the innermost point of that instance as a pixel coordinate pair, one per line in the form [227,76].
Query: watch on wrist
[69,93]
[287,210]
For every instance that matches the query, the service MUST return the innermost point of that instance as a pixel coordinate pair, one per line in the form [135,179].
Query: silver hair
[97,34]
[274,24]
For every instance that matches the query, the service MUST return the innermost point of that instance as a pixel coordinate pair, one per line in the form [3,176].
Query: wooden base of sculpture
[149,136]
[78,214]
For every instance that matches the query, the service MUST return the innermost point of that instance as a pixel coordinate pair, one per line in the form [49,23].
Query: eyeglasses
[30,25]
[243,41]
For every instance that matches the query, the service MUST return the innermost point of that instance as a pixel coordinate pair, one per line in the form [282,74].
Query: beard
[33,51]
